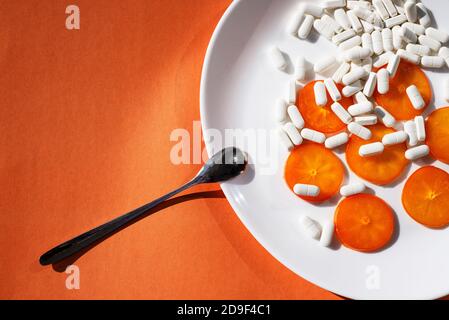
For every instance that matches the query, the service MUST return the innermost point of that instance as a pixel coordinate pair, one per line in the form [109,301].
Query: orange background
[85,123]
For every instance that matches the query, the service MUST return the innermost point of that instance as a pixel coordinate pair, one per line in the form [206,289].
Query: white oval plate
[238,90]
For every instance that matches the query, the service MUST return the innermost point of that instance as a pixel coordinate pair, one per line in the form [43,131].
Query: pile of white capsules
[368,34]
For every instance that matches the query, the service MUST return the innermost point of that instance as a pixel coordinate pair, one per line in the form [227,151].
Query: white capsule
[416,28]
[378,45]
[415,97]
[368,120]
[306,27]
[367,42]
[385,117]
[332,89]
[411,11]
[382,60]
[432,62]
[387,39]
[395,21]
[393,65]
[333,4]
[359,97]
[310,227]
[324,28]
[293,133]
[313,10]
[360,108]
[352,89]
[370,84]
[408,56]
[295,116]
[345,35]
[336,141]
[420,128]
[341,113]
[418,49]
[352,4]
[417,152]
[446,90]
[342,19]
[363,14]
[397,37]
[329,21]
[408,35]
[313,135]
[350,43]
[367,27]
[325,64]
[320,93]
[380,9]
[327,233]
[295,23]
[355,22]
[306,190]
[383,81]
[438,35]
[340,72]
[355,75]
[423,15]
[371,149]
[357,53]
[278,59]
[301,69]
[430,42]
[352,189]
[410,129]
[285,140]
[391,8]
[281,110]
[292,92]
[444,53]
[394,138]
[360,131]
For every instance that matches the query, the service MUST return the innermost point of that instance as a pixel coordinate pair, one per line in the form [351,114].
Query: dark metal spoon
[226,164]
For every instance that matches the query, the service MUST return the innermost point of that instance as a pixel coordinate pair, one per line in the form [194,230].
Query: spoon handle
[88,238]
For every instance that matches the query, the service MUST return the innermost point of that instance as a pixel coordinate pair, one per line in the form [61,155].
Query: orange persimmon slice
[437,128]
[380,169]
[396,100]
[312,163]
[364,223]
[426,197]
[319,118]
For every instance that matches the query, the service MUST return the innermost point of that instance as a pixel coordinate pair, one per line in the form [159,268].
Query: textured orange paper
[85,123]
